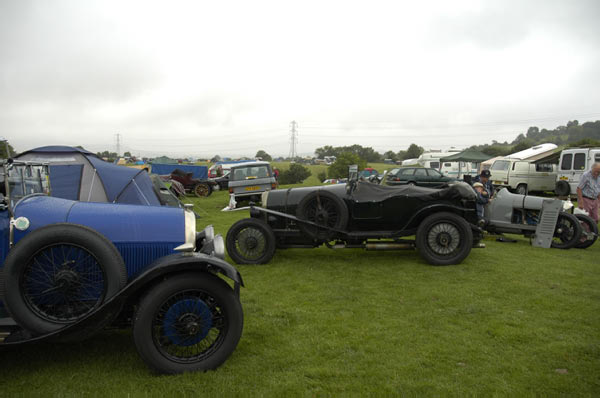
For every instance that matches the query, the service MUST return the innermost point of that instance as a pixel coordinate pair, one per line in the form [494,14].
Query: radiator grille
[137,256]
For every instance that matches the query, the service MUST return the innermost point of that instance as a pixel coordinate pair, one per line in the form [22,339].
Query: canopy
[469,155]
[199,172]
[78,174]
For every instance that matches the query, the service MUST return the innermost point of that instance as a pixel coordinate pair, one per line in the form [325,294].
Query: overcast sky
[200,78]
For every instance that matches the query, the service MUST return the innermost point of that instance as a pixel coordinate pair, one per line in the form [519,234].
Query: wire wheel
[250,241]
[63,282]
[443,238]
[589,231]
[324,209]
[189,326]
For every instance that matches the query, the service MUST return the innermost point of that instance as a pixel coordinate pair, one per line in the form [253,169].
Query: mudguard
[169,265]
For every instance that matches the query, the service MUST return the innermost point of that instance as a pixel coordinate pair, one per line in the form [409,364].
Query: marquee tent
[78,174]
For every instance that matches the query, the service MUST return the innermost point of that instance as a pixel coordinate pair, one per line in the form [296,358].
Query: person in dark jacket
[484,179]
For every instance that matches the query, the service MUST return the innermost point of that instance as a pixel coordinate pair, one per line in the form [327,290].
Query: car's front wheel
[567,232]
[444,239]
[189,322]
[250,241]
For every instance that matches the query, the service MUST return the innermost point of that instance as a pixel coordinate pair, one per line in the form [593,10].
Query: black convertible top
[369,192]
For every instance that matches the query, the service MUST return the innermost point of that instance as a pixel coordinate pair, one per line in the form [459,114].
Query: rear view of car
[249,180]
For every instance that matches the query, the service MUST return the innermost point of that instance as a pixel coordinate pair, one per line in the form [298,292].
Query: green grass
[350,322]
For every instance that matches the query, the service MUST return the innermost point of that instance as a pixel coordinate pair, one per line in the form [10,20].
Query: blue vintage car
[69,268]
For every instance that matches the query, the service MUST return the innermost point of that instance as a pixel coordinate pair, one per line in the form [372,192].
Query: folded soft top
[369,192]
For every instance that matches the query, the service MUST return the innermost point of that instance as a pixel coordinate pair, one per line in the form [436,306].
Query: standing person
[588,191]
[484,179]
[482,199]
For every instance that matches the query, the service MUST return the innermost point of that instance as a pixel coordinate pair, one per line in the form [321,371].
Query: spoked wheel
[58,274]
[324,209]
[444,238]
[567,232]
[250,241]
[202,190]
[189,322]
[589,231]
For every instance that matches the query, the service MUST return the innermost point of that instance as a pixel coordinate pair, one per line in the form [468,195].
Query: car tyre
[522,189]
[562,188]
[202,190]
[188,322]
[58,274]
[324,209]
[250,241]
[588,226]
[567,233]
[444,238]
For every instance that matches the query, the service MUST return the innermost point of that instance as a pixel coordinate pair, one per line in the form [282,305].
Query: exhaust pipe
[389,246]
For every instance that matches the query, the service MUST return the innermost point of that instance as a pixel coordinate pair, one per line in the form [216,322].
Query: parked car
[360,214]
[248,180]
[573,163]
[522,176]
[69,268]
[424,177]
[545,220]
[368,172]
[199,187]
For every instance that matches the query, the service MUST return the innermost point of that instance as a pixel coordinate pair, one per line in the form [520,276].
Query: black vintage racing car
[360,214]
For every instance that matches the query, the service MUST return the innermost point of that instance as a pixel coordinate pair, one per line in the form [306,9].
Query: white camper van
[458,169]
[523,176]
[573,163]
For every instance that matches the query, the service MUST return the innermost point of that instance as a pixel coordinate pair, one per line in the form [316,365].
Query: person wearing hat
[484,179]
[483,198]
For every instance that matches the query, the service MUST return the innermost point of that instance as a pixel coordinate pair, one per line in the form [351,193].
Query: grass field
[510,320]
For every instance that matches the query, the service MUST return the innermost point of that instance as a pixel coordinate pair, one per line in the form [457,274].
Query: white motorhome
[432,159]
[523,176]
[573,163]
[458,169]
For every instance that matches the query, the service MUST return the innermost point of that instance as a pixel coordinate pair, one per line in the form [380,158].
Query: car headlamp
[215,247]
[206,235]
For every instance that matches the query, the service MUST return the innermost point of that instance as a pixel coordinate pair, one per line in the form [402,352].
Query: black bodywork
[375,211]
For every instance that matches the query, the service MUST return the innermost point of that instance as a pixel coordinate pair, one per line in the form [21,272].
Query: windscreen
[25,180]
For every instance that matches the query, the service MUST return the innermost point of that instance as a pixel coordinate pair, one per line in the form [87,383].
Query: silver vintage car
[248,181]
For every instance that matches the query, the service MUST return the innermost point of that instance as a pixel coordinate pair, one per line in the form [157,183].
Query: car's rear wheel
[202,190]
[444,239]
[567,232]
[589,231]
[58,274]
[324,209]
[250,241]
[188,322]
[410,183]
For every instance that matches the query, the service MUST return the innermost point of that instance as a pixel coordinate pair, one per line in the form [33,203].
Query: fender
[168,265]
[438,207]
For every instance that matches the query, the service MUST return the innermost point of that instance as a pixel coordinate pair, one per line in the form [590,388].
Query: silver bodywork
[251,179]
[518,214]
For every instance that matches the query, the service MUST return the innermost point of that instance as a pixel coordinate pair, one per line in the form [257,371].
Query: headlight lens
[215,247]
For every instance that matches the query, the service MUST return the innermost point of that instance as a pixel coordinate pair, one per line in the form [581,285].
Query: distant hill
[573,134]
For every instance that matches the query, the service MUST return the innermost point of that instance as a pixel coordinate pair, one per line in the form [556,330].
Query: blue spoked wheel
[58,274]
[188,322]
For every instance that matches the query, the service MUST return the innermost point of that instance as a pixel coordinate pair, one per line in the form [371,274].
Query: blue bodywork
[141,233]
[199,172]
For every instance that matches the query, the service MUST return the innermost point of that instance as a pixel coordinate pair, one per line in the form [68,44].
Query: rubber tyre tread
[109,258]
[521,189]
[573,242]
[562,188]
[465,245]
[593,228]
[156,296]
[342,211]
[206,193]
[235,229]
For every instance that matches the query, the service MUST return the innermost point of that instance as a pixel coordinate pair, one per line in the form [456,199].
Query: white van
[458,169]
[573,163]
[523,176]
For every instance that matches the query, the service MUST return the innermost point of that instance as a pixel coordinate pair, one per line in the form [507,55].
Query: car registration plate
[564,178]
[497,182]
[253,188]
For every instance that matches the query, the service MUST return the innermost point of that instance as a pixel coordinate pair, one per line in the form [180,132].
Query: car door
[421,178]
[435,178]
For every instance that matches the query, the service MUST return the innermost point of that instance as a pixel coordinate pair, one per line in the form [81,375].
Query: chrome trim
[190,232]
[263,198]
[219,247]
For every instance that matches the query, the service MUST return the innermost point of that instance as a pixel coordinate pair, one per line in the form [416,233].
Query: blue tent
[78,174]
